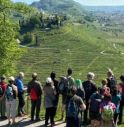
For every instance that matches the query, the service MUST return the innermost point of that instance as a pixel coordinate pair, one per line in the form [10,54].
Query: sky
[26,1]
[101,2]
[87,2]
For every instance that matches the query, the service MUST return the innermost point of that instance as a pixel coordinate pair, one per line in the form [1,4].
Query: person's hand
[25,89]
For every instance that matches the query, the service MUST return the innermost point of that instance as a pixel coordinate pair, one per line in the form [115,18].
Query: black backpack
[95,103]
[111,83]
[63,86]
[88,88]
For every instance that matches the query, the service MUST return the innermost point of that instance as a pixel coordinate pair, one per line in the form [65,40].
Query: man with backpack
[3,86]
[89,88]
[73,107]
[63,90]
[35,92]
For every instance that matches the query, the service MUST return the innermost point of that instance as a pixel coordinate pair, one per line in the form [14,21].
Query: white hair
[91,75]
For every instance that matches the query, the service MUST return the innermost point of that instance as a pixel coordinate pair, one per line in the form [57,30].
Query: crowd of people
[83,102]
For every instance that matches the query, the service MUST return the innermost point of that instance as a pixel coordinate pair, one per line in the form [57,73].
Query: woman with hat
[10,94]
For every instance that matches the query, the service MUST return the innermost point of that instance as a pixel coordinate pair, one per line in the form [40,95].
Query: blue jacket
[19,85]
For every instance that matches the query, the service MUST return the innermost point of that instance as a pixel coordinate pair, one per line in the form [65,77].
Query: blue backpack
[72,109]
[9,93]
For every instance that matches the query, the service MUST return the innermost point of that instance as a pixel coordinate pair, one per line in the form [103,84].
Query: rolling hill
[80,46]
[68,7]
[74,45]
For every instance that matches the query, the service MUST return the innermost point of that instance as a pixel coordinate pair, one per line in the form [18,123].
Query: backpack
[112,82]
[107,113]
[95,104]
[33,94]
[1,91]
[63,86]
[71,82]
[9,93]
[72,109]
[88,88]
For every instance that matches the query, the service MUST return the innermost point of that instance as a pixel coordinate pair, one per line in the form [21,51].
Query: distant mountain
[104,8]
[68,7]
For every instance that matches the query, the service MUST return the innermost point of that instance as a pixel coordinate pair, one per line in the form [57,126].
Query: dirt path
[25,122]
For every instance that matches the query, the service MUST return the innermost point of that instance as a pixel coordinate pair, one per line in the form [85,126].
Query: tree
[10,51]
[35,21]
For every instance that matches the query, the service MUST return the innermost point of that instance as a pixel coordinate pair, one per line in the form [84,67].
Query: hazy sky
[101,2]
[87,2]
[27,1]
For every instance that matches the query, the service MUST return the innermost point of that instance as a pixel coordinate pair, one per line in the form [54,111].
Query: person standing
[80,89]
[111,81]
[103,86]
[10,94]
[80,92]
[107,109]
[116,98]
[89,88]
[95,116]
[20,87]
[71,81]
[3,86]
[63,90]
[35,91]
[74,106]
[121,90]
[56,85]
[49,101]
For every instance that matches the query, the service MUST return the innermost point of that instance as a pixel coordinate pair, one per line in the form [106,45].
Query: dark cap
[53,74]
[122,78]
[69,71]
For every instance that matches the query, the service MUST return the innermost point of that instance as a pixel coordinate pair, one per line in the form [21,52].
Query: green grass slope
[76,46]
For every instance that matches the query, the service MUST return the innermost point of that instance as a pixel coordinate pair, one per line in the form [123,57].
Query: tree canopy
[10,50]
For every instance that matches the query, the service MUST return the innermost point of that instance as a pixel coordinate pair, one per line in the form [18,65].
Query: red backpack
[33,94]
